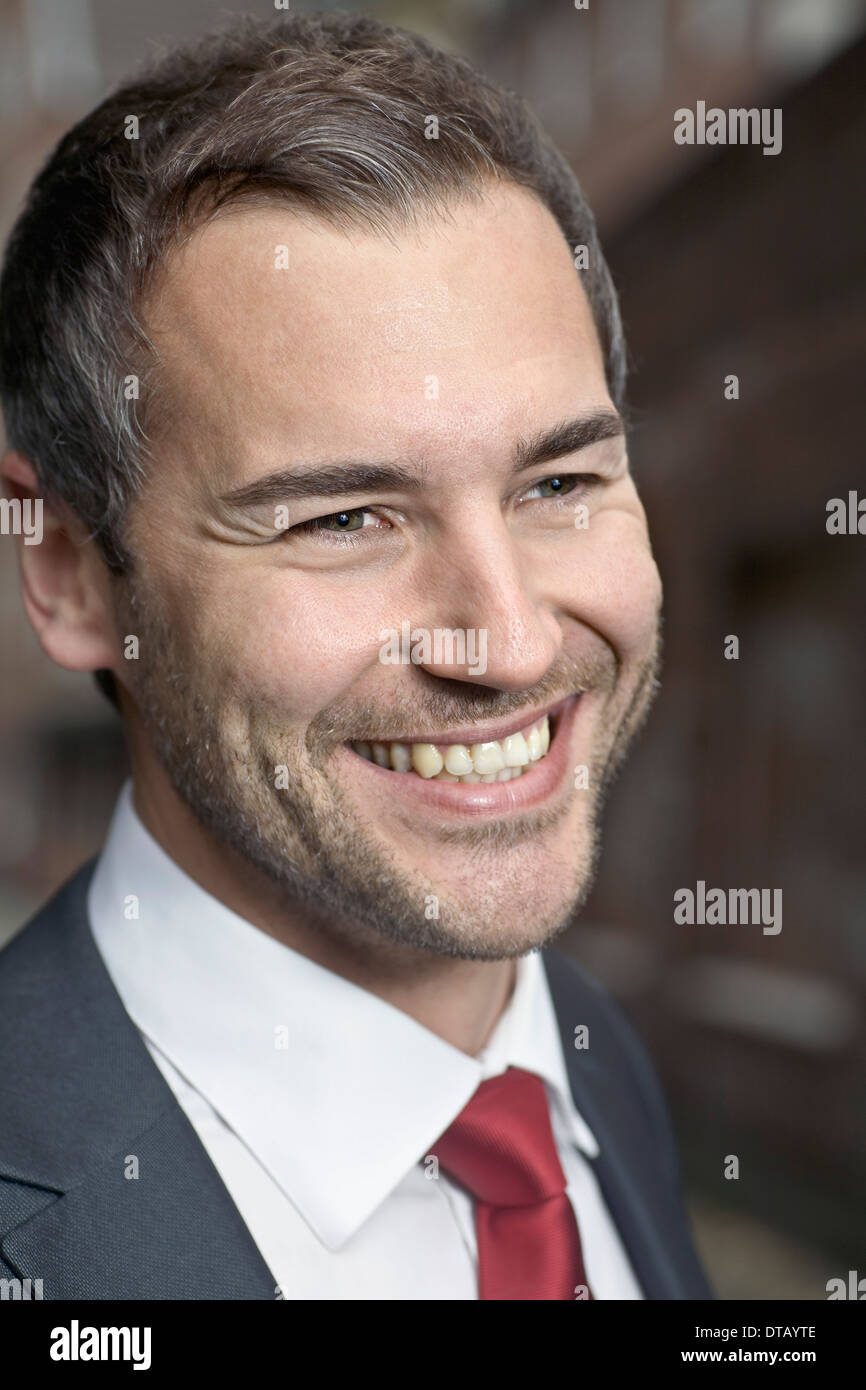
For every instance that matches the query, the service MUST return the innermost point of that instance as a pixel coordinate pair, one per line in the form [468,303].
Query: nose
[479,583]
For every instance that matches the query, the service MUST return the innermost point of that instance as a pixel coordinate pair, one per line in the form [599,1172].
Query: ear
[65,583]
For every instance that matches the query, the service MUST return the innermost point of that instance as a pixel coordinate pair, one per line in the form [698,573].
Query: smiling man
[298,358]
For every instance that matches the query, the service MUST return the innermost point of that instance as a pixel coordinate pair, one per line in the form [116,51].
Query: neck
[458,1000]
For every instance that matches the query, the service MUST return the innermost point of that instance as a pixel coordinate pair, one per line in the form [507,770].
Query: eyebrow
[568,438]
[349,478]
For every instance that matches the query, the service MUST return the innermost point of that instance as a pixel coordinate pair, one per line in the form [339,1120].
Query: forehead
[275,328]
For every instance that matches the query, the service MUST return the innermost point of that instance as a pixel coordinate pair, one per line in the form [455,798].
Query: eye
[557,486]
[560,485]
[339,528]
[340,521]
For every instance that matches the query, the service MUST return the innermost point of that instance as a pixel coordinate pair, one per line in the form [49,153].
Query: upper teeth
[498,760]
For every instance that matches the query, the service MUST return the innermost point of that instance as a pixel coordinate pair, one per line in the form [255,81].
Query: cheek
[614,585]
[292,641]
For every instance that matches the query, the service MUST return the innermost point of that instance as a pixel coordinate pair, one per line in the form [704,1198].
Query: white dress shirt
[317,1101]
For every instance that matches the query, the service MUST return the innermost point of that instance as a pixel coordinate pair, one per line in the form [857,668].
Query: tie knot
[501,1146]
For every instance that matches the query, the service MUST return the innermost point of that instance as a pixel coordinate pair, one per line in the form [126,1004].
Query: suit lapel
[627,1174]
[171,1233]
[90,1109]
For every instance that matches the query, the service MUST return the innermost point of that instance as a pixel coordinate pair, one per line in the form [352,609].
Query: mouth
[508,769]
[475,771]
[450,759]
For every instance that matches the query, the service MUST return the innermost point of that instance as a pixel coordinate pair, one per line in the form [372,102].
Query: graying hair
[327,112]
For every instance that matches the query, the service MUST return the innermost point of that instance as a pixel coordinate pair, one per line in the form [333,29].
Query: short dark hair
[330,113]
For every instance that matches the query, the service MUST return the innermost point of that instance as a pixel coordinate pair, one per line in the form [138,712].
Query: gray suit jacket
[79,1091]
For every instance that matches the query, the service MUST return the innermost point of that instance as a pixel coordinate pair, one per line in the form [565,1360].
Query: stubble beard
[306,839]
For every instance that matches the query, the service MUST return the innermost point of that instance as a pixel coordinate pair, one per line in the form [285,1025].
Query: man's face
[416,376]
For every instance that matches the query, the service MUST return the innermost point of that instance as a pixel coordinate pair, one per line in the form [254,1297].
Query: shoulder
[67,1045]
[40,953]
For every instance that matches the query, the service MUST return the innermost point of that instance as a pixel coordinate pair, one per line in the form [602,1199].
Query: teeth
[514,748]
[533,745]
[426,760]
[491,761]
[487,757]
[401,757]
[458,760]
[505,775]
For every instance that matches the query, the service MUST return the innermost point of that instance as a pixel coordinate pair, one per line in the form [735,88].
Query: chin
[508,925]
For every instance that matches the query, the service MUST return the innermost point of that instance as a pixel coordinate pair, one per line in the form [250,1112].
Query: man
[310,350]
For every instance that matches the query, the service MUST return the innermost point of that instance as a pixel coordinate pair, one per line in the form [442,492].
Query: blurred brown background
[751,772]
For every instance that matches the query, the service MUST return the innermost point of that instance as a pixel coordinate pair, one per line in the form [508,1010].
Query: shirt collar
[527,1035]
[282,1048]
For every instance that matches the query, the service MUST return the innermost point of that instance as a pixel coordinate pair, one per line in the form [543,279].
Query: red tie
[501,1150]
